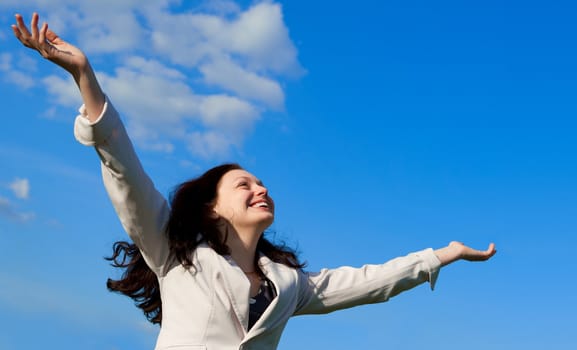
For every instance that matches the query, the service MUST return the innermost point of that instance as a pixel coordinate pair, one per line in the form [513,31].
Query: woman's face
[243,201]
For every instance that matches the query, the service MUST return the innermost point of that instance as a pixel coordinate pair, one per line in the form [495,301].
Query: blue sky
[380,128]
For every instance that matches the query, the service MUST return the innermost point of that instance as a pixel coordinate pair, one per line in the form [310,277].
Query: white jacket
[207,306]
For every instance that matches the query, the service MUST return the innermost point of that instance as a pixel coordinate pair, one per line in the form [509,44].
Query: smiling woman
[200,265]
[227,209]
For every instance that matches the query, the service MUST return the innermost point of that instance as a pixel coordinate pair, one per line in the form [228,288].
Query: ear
[211,211]
[214,213]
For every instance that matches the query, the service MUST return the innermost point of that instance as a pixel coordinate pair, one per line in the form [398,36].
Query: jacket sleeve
[345,287]
[142,210]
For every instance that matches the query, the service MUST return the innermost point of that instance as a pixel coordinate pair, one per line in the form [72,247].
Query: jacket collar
[237,287]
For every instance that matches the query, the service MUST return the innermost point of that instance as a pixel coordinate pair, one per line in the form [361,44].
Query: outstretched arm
[458,251]
[65,55]
[334,289]
[142,210]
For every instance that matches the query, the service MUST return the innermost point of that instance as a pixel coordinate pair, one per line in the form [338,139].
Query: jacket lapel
[277,275]
[237,286]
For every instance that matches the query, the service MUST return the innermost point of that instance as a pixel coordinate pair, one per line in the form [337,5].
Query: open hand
[470,254]
[49,45]
[458,251]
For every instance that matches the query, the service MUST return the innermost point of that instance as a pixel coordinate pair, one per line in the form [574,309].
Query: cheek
[225,212]
[230,208]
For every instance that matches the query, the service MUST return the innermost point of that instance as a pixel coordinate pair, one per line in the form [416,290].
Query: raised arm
[142,210]
[65,55]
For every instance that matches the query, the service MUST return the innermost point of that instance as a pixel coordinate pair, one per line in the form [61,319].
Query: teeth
[261,205]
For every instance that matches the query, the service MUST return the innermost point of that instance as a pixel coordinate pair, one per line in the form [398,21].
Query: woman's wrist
[450,253]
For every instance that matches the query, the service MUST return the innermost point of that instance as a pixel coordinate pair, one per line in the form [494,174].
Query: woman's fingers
[489,252]
[49,45]
[16,31]
[42,33]
[491,249]
[51,36]
[34,26]
[33,37]
[22,33]
[480,255]
[21,26]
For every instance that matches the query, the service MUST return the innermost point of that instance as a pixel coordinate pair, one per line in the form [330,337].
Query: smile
[260,204]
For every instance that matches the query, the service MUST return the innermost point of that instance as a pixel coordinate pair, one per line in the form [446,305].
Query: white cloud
[260,34]
[175,114]
[20,187]
[63,90]
[228,120]
[231,76]
[5,62]
[228,113]
[119,31]
[9,210]
[209,143]
[257,38]
[11,75]
[198,79]
[20,79]
[221,7]
[187,39]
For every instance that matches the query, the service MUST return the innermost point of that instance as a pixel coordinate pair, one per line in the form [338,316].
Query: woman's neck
[242,247]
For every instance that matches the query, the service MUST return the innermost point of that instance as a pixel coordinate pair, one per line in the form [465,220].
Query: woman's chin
[266,222]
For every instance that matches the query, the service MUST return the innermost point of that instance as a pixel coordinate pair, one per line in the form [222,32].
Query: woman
[201,266]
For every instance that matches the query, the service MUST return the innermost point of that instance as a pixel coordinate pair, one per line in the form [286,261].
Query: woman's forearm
[92,94]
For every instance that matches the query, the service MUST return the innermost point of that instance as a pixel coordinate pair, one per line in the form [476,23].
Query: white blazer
[207,307]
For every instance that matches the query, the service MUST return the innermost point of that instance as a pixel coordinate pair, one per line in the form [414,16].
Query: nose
[261,190]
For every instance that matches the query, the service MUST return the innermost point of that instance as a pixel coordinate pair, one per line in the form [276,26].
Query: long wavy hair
[189,224]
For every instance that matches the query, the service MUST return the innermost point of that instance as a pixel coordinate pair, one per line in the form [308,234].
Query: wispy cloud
[246,84]
[34,297]
[11,75]
[9,210]
[221,7]
[20,187]
[46,163]
[172,68]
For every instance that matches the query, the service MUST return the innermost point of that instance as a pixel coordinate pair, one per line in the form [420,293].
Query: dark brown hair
[189,224]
